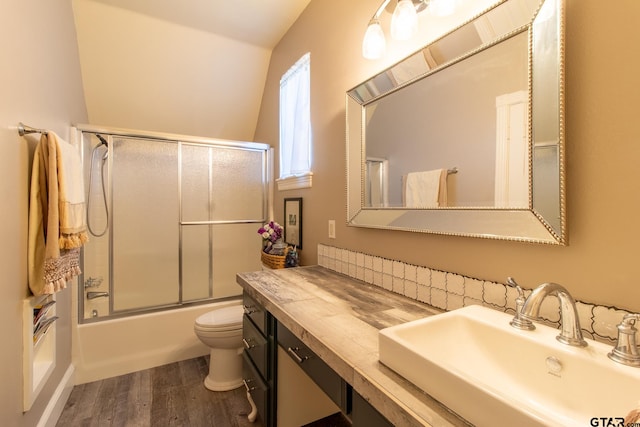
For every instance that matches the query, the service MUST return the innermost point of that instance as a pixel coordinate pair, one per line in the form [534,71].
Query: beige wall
[603,148]
[40,85]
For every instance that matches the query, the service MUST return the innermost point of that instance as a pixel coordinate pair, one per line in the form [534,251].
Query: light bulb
[374,43]
[404,22]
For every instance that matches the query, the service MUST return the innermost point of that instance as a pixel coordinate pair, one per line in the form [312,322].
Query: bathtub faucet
[570,324]
[94,295]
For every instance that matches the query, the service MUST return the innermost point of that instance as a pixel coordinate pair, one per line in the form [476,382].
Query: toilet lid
[222,318]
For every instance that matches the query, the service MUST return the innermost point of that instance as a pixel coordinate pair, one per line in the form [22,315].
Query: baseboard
[59,398]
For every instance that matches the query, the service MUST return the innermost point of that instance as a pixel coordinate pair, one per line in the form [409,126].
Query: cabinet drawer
[258,389]
[325,377]
[255,346]
[255,312]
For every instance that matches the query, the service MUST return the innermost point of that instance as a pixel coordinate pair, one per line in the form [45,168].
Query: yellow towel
[57,227]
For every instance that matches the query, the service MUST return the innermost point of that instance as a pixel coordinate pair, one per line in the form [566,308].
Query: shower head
[105,143]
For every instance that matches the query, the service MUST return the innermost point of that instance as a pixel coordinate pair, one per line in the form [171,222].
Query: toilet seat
[221,319]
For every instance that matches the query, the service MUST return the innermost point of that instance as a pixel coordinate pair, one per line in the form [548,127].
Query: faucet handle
[519,321]
[626,349]
[511,281]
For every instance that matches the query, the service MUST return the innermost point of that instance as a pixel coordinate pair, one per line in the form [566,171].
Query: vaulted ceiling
[258,22]
[193,67]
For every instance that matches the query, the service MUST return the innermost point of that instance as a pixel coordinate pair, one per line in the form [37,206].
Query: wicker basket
[273,261]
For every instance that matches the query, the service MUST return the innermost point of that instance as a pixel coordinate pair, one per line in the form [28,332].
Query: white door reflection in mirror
[512,151]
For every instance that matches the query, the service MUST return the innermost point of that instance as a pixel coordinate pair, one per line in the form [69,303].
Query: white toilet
[221,330]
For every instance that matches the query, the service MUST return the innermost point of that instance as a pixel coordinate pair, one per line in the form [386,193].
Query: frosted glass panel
[195,184]
[145,224]
[196,262]
[236,170]
[236,248]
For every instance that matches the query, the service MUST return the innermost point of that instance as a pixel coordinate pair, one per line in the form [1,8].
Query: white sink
[491,374]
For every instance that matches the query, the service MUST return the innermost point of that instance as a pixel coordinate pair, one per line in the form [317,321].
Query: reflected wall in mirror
[465,137]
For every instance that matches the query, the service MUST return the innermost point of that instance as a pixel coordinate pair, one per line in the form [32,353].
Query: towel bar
[24,130]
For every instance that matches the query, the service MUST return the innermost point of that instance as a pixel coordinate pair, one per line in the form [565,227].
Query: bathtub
[120,346]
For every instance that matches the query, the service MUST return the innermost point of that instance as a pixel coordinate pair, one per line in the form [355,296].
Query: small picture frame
[293,222]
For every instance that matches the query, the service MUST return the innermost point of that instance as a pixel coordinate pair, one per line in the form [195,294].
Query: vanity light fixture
[404,23]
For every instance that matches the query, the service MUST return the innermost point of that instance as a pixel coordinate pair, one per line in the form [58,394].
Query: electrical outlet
[332,228]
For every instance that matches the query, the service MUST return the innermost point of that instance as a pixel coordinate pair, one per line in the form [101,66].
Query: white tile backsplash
[423,276]
[439,298]
[377,264]
[473,289]
[450,291]
[387,266]
[410,289]
[439,280]
[424,294]
[455,284]
[387,282]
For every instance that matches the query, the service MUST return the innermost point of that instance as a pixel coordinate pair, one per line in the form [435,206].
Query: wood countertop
[339,318]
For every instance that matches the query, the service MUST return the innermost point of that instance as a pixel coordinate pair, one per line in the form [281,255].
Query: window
[295,126]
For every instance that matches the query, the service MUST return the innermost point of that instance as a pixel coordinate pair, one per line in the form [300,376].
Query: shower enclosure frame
[180,141]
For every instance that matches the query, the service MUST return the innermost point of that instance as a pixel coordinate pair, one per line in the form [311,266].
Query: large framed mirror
[466,136]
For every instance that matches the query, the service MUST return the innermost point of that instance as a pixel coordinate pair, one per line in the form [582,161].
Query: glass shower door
[145,219]
[177,220]
[222,206]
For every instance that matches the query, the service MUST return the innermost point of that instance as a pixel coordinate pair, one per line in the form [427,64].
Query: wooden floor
[170,395]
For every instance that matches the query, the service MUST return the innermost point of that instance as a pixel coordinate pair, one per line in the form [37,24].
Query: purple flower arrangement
[271,233]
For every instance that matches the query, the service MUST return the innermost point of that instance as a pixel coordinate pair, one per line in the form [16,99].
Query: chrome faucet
[626,350]
[571,333]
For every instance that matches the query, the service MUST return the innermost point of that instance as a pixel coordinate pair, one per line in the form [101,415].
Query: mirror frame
[523,225]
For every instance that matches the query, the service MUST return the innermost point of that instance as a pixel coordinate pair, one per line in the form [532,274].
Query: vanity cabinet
[324,315]
[274,361]
[259,359]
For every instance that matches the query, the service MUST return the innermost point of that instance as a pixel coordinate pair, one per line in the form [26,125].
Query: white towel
[72,205]
[427,189]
